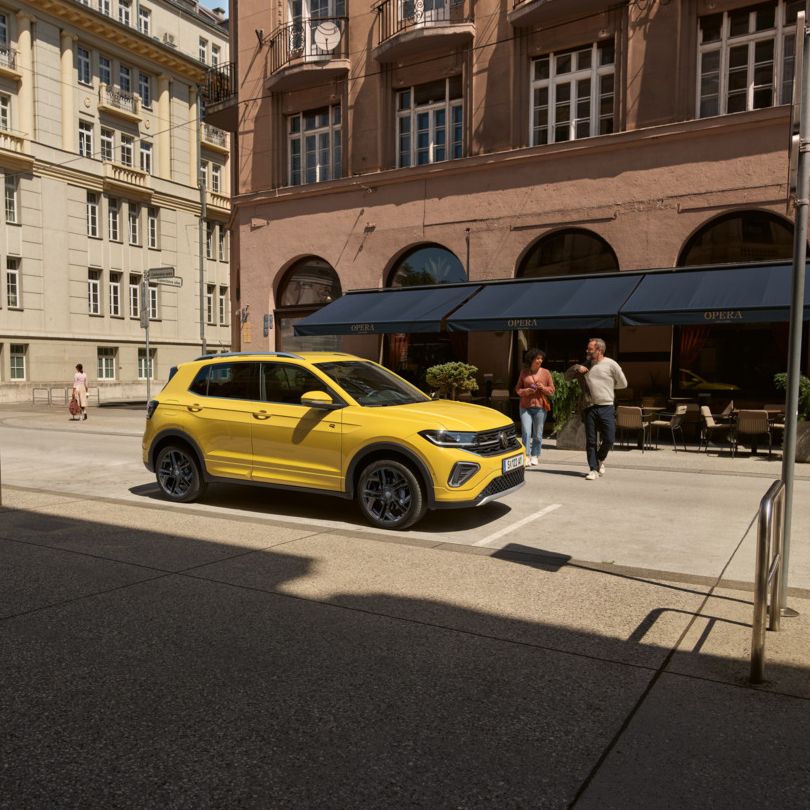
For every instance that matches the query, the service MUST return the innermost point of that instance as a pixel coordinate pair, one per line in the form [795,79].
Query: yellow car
[331,423]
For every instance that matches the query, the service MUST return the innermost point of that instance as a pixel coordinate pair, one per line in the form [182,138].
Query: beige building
[100,152]
[429,142]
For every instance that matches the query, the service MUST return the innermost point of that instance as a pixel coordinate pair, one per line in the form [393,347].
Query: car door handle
[261,415]
[194,408]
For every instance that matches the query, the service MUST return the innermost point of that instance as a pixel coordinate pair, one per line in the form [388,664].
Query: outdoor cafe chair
[675,425]
[751,423]
[629,417]
[710,428]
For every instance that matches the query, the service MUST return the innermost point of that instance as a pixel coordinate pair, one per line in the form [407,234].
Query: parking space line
[507,529]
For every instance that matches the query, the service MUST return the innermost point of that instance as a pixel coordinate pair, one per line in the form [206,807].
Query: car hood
[447,414]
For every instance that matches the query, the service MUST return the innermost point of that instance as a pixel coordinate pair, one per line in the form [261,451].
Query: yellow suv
[331,423]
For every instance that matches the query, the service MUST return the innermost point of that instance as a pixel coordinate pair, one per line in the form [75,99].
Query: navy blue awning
[397,309]
[579,302]
[747,294]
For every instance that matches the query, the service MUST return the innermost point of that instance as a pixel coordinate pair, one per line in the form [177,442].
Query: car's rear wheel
[178,474]
[390,495]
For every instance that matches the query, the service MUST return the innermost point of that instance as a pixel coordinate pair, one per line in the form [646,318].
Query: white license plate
[513,463]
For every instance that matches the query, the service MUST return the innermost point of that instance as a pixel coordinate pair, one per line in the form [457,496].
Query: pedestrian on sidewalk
[80,390]
[600,379]
[534,387]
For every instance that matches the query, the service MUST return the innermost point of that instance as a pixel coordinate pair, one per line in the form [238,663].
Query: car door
[221,402]
[295,444]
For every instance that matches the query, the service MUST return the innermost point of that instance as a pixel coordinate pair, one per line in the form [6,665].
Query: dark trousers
[600,423]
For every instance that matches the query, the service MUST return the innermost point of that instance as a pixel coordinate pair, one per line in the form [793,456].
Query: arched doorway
[308,285]
[411,354]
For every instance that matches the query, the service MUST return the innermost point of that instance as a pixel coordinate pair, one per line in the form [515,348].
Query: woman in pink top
[80,389]
[534,387]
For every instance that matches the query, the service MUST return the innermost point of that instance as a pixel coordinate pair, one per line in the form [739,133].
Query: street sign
[144,317]
[175,281]
[154,273]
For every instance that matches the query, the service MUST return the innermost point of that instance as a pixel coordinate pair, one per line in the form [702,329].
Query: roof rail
[252,354]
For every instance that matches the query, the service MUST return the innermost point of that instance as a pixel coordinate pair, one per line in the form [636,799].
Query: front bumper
[497,488]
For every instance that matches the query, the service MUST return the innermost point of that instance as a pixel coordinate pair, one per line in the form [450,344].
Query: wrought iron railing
[113,97]
[220,83]
[310,39]
[397,16]
[212,134]
[8,56]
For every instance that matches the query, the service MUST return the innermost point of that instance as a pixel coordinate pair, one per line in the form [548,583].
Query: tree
[452,378]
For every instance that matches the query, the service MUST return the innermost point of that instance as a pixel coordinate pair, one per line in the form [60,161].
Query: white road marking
[517,525]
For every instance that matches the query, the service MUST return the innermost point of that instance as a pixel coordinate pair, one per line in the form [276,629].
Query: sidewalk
[165,658]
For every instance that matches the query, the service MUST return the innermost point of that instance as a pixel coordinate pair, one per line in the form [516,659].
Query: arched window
[744,236]
[426,264]
[307,286]
[571,252]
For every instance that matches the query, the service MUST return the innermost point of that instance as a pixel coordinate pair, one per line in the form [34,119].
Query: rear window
[228,380]
[200,384]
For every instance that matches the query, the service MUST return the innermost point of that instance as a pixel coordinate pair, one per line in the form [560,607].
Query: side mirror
[320,400]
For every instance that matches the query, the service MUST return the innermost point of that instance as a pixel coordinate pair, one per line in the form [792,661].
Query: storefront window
[571,252]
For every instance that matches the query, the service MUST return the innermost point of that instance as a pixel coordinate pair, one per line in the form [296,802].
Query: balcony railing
[13,142]
[397,16]
[316,39]
[115,100]
[220,83]
[215,136]
[8,57]
[214,199]
[126,176]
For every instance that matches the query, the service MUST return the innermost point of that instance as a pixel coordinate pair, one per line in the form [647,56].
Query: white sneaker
[601,469]
[592,476]
[526,461]
[534,461]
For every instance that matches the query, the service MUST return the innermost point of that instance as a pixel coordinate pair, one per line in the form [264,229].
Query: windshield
[372,385]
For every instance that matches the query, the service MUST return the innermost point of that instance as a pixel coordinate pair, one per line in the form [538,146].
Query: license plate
[513,463]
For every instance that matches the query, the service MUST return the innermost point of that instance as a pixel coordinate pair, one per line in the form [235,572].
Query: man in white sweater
[600,381]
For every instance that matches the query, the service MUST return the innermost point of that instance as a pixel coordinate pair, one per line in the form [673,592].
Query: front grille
[495,442]
[504,482]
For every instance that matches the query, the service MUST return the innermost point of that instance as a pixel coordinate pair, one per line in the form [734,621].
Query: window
[3,29]
[13,283]
[202,53]
[12,193]
[146,370]
[154,314]
[223,306]
[92,215]
[105,70]
[104,7]
[573,94]
[107,144]
[114,221]
[85,139]
[146,157]
[124,79]
[134,296]
[152,227]
[314,146]
[127,142]
[115,295]
[210,291]
[223,244]
[745,58]
[17,355]
[203,172]
[134,217]
[145,89]
[83,65]
[286,383]
[106,362]
[94,292]
[568,252]
[234,380]
[215,52]
[144,20]
[430,123]
[216,177]
[5,112]
[209,240]
[125,12]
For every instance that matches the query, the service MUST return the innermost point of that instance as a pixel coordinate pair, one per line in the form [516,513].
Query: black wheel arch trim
[172,433]
[424,472]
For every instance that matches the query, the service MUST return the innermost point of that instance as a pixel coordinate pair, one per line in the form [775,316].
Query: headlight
[450,438]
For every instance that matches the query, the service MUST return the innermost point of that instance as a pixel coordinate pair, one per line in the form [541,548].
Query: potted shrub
[452,378]
[568,427]
[803,425]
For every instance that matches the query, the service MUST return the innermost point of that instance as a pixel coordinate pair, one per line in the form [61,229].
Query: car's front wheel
[178,474]
[390,495]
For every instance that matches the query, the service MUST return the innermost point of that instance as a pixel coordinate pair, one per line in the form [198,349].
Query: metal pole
[467,237]
[796,316]
[145,304]
[203,215]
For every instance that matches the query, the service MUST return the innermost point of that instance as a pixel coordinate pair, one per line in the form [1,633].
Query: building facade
[101,152]
[397,143]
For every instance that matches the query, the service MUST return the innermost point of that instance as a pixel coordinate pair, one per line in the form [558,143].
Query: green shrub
[452,378]
[564,400]
[781,382]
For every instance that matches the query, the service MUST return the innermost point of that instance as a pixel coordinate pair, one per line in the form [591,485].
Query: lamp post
[160,275]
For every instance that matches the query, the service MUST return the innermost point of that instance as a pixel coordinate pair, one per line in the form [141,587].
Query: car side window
[286,383]
[234,380]
[200,384]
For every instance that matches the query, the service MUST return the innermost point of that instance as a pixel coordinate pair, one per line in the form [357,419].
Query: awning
[398,309]
[747,294]
[578,302]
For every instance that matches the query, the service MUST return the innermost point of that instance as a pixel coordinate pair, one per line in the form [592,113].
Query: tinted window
[286,383]
[200,384]
[234,380]
[372,385]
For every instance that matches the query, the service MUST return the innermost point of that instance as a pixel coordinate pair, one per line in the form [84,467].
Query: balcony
[308,50]
[127,181]
[217,203]
[413,27]
[14,150]
[116,102]
[219,97]
[526,13]
[214,138]
[8,63]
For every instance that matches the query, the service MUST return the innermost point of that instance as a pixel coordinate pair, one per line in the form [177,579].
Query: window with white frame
[127,143]
[314,146]
[146,157]
[223,306]
[145,89]
[124,79]
[17,358]
[92,215]
[209,240]
[104,7]
[5,112]
[210,292]
[115,295]
[746,59]
[106,362]
[125,12]
[104,70]
[152,224]
[134,296]
[572,94]
[216,177]
[154,312]
[13,283]
[146,370]
[85,139]
[94,292]
[223,244]
[11,187]
[203,176]
[215,55]
[114,220]
[202,51]
[107,144]
[430,123]
[83,65]
[134,212]
[144,20]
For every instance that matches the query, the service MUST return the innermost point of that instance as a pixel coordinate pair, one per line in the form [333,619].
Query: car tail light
[151,407]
